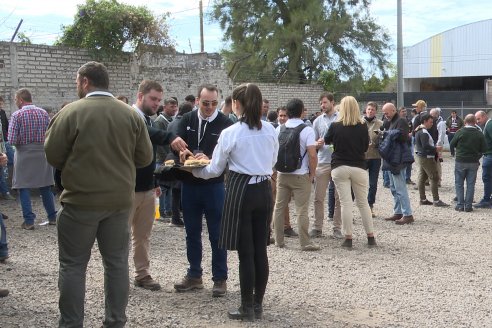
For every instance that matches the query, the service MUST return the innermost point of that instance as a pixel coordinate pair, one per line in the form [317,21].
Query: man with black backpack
[296,166]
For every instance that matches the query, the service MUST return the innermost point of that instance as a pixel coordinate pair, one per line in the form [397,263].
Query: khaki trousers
[323,177]
[274,195]
[141,222]
[428,170]
[357,179]
[300,186]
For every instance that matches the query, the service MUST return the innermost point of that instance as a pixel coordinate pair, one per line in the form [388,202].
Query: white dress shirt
[247,151]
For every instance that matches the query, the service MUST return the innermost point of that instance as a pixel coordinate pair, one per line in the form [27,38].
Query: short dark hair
[272,116]
[327,95]
[148,85]
[425,117]
[266,101]
[170,101]
[190,98]
[96,73]
[209,87]
[64,104]
[228,101]
[123,98]
[251,99]
[24,94]
[454,111]
[294,107]
[1,98]
[184,108]
[281,108]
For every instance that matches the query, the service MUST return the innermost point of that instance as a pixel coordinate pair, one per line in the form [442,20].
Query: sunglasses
[208,103]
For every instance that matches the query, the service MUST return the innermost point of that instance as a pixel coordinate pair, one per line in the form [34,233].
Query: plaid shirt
[28,125]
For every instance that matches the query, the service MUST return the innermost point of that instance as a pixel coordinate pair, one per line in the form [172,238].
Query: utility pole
[16,30]
[202,46]
[399,55]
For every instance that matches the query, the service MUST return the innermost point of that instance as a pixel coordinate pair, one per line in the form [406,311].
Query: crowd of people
[111,162]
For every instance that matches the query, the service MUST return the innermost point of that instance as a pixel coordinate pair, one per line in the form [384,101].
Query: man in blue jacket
[402,210]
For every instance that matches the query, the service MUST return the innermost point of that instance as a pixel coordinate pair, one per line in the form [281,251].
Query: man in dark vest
[201,129]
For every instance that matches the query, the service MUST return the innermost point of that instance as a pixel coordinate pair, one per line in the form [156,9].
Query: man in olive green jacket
[97,142]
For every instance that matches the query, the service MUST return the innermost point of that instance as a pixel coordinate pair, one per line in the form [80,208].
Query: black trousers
[253,237]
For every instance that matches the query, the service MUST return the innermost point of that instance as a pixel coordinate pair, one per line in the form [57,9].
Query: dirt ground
[432,273]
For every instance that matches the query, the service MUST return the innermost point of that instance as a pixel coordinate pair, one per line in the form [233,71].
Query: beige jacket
[372,151]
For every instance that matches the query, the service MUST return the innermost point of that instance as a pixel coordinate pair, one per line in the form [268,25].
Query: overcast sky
[421,19]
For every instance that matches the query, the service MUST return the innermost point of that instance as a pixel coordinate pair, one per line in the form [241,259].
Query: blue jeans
[4,251]
[10,154]
[408,171]
[487,177]
[331,199]
[462,172]
[386,178]
[4,189]
[205,199]
[165,204]
[451,148]
[373,166]
[48,203]
[399,191]
[165,199]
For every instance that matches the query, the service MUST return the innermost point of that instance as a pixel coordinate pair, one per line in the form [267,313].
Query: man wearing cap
[483,119]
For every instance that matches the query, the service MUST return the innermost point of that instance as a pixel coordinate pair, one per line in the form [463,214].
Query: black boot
[245,313]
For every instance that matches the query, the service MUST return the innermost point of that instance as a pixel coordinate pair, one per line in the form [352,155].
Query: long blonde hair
[349,113]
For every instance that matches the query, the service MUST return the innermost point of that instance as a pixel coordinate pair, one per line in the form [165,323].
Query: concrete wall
[279,94]
[50,72]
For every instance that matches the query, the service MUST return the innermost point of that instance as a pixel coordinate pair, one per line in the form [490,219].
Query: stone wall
[49,72]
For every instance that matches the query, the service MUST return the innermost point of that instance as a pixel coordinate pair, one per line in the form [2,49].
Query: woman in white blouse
[249,148]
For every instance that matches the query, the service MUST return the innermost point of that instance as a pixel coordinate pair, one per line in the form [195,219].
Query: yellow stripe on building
[436,56]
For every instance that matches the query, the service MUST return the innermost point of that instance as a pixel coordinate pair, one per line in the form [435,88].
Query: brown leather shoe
[4,292]
[394,217]
[147,283]
[405,220]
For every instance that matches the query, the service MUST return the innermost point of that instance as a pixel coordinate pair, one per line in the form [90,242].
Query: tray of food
[191,164]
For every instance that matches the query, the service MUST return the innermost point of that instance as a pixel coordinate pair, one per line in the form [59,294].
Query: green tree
[107,27]
[23,39]
[328,80]
[375,84]
[303,37]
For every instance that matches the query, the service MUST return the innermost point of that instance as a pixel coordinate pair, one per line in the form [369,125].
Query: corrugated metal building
[456,63]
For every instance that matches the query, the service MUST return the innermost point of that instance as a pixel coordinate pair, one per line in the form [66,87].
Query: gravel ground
[433,273]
